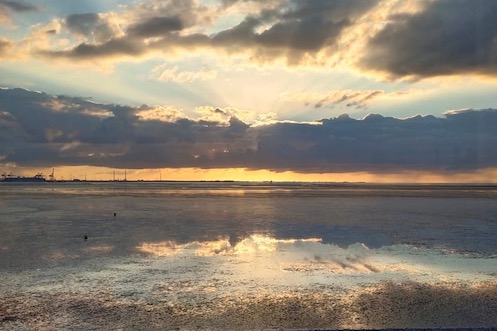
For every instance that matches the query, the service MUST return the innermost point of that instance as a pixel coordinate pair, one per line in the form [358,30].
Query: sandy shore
[385,306]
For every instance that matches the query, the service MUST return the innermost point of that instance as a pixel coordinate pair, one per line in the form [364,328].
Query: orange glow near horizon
[91,173]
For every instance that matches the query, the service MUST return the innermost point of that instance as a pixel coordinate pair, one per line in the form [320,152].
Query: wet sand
[187,259]
[382,306]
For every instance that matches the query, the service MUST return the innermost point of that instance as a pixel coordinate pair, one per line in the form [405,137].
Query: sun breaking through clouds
[43,130]
[246,84]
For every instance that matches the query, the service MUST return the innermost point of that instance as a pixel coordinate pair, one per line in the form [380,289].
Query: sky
[320,90]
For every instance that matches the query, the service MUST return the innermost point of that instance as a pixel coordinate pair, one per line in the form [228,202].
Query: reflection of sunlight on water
[260,282]
[209,248]
[307,261]
[261,243]
[166,248]
[251,245]
[170,248]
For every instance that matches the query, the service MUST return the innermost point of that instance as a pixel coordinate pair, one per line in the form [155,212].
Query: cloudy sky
[373,90]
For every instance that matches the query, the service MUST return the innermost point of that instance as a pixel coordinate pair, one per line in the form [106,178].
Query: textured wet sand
[383,306]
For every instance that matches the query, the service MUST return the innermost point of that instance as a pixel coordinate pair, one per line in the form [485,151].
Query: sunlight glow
[287,258]
[90,173]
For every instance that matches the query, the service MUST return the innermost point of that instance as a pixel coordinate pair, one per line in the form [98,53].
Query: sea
[247,256]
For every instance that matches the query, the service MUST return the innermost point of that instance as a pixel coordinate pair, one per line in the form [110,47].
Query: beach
[247,256]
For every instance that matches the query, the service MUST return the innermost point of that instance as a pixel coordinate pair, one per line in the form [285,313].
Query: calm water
[246,255]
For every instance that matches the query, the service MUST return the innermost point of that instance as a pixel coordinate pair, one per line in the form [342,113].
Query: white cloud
[223,115]
[160,113]
[175,74]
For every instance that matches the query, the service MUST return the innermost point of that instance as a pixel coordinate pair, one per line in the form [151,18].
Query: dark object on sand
[115,214]
[85,237]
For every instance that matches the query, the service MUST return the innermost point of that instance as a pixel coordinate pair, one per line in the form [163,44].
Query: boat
[10,178]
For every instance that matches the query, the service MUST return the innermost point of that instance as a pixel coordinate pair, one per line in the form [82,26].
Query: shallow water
[247,256]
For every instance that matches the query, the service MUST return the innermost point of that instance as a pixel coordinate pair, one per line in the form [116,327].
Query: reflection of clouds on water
[166,248]
[269,258]
[259,282]
[210,248]
[196,261]
[251,245]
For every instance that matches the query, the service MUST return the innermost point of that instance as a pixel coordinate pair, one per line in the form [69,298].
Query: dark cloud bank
[18,6]
[292,29]
[40,130]
[446,37]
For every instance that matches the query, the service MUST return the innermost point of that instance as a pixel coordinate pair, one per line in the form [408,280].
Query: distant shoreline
[371,184]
